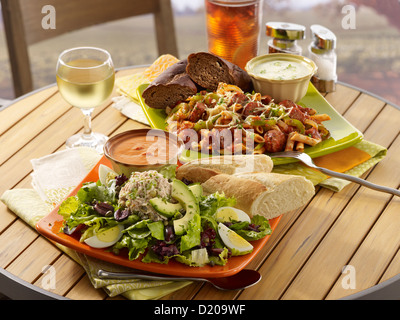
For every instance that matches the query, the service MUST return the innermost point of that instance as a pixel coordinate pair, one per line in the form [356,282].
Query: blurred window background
[368,54]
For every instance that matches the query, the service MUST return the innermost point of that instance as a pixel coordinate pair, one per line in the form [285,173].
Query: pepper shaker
[322,52]
[284,37]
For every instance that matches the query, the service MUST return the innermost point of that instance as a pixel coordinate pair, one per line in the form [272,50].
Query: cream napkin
[130,109]
[53,178]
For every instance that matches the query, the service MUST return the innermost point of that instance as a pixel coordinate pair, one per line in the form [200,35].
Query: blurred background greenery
[368,56]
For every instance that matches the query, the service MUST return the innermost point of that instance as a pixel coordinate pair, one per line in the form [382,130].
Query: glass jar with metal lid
[284,37]
[322,52]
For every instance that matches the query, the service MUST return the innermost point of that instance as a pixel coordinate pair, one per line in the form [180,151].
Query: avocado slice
[164,207]
[197,190]
[186,198]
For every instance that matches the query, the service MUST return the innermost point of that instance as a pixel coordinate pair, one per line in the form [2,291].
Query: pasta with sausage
[232,121]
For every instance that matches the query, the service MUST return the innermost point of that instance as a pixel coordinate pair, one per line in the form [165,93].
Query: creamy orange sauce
[143,150]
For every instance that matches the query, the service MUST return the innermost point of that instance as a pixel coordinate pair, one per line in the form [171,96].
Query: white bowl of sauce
[282,76]
[143,149]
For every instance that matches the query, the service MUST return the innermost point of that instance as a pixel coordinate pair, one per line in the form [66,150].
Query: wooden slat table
[304,257]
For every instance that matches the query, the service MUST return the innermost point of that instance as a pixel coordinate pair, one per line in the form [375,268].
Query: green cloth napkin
[376,152]
[31,205]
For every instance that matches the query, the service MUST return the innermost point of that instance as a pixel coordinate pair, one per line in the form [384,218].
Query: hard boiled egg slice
[233,241]
[106,174]
[228,214]
[105,238]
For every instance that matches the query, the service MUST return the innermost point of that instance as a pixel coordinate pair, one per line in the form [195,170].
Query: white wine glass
[85,79]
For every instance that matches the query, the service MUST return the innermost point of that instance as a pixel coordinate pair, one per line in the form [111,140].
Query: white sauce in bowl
[282,70]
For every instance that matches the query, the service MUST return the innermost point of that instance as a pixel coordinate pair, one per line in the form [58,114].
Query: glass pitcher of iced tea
[233,29]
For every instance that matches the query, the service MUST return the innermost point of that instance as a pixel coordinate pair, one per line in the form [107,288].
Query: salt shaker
[284,37]
[322,52]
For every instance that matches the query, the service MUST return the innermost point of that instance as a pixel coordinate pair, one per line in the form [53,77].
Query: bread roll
[193,173]
[172,86]
[283,194]
[208,70]
[224,164]
[266,194]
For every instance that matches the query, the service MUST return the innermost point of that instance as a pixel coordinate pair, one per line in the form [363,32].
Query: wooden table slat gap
[351,104]
[9,224]
[35,136]
[359,245]
[35,279]
[75,283]
[52,262]
[22,251]
[353,193]
[365,176]
[392,261]
[27,114]
[334,229]
[356,252]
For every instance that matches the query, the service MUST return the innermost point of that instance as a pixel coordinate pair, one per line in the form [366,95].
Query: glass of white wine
[85,79]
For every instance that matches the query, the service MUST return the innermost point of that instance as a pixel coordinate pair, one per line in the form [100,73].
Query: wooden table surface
[305,255]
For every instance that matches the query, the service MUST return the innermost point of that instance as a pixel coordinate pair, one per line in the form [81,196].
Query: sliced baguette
[208,167]
[266,194]
[284,193]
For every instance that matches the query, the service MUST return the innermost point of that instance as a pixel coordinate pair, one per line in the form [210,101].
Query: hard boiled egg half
[106,174]
[105,238]
[237,244]
[228,214]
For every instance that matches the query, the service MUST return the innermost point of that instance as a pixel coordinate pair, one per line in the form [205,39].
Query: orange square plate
[50,227]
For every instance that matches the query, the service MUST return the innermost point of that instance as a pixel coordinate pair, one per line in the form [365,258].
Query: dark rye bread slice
[172,86]
[208,70]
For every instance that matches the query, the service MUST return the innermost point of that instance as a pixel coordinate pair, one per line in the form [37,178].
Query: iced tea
[233,29]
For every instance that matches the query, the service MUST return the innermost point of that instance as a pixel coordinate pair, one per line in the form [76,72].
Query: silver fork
[306,159]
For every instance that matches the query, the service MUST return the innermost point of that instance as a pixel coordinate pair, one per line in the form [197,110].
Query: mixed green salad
[154,217]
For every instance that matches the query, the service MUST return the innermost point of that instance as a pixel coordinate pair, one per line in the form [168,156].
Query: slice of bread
[170,87]
[208,70]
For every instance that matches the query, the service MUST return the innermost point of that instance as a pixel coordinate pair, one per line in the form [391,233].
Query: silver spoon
[306,159]
[241,280]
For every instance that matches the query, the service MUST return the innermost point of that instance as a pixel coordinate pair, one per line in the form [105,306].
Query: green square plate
[343,133]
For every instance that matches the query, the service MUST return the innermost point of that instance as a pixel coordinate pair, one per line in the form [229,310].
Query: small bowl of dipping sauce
[142,150]
[282,76]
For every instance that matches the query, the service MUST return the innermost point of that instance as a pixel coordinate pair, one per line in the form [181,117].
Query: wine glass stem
[87,128]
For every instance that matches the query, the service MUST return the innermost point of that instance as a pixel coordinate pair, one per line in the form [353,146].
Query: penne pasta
[304,139]
[311,123]
[259,150]
[320,117]
[282,125]
[259,129]
[289,142]
[300,146]
[258,138]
